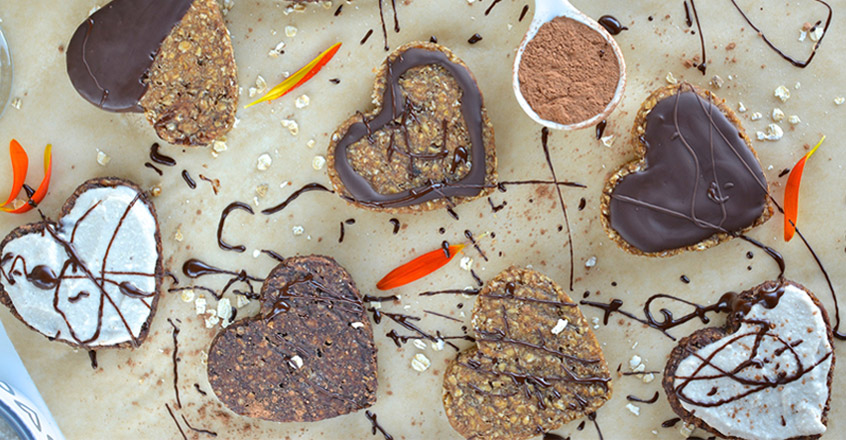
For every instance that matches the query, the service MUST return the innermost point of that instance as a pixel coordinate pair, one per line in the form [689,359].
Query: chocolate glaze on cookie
[110,53]
[360,190]
[700,178]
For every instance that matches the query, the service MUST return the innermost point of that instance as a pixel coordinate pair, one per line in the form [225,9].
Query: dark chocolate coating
[699,178]
[111,51]
[471,107]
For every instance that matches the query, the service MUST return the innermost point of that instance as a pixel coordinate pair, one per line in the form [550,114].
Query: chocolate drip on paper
[376,426]
[223,216]
[360,190]
[160,158]
[307,188]
[791,60]
[651,400]
[110,53]
[188,180]
[545,145]
[612,25]
[175,356]
[178,426]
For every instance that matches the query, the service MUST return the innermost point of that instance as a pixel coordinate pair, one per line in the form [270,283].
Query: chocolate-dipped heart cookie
[696,183]
[171,59]
[309,355]
[427,145]
[765,375]
[92,278]
[536,364]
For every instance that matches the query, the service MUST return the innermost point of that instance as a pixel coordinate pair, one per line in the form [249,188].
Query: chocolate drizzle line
[384,29]
[611,24]
[651,400]
[175,334]
[407,322]
[154,168]
[195,268]
[92,356]
[396,224]
[551,436]
[43,277]
[170,411]
[488,11]
[600,128]
[704,64]
[199,390]
[429,312]
[359,189]
[544,143]
[450,292]
[366,36]
[223,216]
[198,430]
[523,13]
[307,188]
[160,158]
[188,180]
[470,237]
[376,426]
[791,60]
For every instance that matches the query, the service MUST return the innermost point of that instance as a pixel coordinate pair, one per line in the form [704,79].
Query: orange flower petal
[791,194]
[41,192]
[418,268]
[300,77]
[20,163]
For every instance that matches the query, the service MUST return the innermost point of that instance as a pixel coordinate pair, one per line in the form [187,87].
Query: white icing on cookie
[113,234]
[782,392]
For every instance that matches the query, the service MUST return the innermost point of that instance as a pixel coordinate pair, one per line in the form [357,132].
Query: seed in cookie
[301,359]
[171,59]
[429,143]
[697,180]
[765,375]
[522,378]
[92,278]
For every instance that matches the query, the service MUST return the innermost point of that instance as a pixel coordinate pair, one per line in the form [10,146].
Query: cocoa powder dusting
[568,72]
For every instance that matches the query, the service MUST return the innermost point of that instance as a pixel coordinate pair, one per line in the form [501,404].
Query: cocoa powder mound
[568,72]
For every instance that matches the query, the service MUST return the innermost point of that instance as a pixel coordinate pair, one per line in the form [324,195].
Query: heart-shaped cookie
[536,364]
[309,355]
[696,182]
[427,145]
[171,59]
[92,279]
[765,375]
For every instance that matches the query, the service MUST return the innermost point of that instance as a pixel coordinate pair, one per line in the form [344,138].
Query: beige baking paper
[126,396]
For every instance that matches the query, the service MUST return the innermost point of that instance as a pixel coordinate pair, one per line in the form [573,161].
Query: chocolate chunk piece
[309,355]
[766,374]
[92,278]
[171,59]
[428,144]
[536,364]
[696,182]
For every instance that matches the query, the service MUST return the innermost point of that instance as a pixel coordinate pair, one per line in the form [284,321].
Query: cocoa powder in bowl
[568,72]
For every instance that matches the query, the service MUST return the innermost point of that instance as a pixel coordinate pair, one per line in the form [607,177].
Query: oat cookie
[696,181]
[428,144]
[92,278]
[765,375]
[536,364]
[171,59]
[309,355]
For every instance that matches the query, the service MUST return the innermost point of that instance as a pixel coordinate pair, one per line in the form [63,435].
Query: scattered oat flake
[756,116]
[311,143]
[559,326]
[590,262]
[292,126]
[200,305]
[103,158]
[439,345]
[212,321]
[290,31]
[595,322]
[741,108]
[717,81]
[16,103]
[839,100]
[420,344]
[608,141]
[466,263]
[648,378]
[635,361]
[241,301]
[793,119]
[224,310]
[264,162]
[687,429]
[420,362]
[633,409]
[298,230]
[178,234]
[219,146]
[782,93]
[302,101]
[671,79]
[778,114]
[187,295]
[816,33]
[318,163]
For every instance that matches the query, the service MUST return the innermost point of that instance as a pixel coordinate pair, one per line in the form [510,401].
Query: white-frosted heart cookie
[765,376]
[92,279]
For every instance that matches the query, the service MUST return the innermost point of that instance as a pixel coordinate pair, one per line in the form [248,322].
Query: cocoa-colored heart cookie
[171,59]
[309,355]
[428,144]
[536,364]
[696,181]
[92,278]
[765,375]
